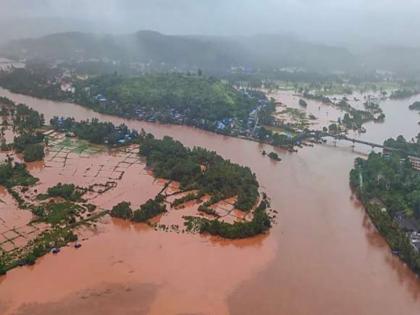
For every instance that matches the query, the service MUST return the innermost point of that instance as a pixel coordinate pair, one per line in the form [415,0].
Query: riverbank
[388,185]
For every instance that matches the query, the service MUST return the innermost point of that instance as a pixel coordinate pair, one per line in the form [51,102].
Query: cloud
[328,20]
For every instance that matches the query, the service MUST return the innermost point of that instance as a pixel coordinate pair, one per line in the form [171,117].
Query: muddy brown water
[322,257]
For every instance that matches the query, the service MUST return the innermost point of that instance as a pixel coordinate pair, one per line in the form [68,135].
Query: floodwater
[322,257]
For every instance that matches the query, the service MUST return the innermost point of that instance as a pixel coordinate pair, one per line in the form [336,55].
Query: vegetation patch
[95,131]
[260,223]
[147,211]
[67,191]
[171,160]
[389,186]
[15,174]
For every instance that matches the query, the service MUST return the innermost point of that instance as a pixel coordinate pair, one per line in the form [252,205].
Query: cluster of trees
[391,180]
[415,106]
[67,191]
[355,118]
[147,211]
[27,120]
[33,152]
[35,80]
[281,140]
[303,103]
[150,209]
[122,210]
[21,141]
[15,175]
[95,131]
[26,123]
[274,156]
[390,189]
[404,93]
[317,97]
[373,107]
[200,169]
[404,146]
[260,223]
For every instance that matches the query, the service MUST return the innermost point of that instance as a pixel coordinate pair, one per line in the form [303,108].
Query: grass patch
[61,213]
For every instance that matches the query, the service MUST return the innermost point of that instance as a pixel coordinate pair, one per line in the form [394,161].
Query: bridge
[321,134]
[368,143]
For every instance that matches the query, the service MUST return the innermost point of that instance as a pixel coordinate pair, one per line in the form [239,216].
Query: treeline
[405,147]
[404,93]
[200,169]
[389,187]
[315,97]
[34,80]
[26,124]
[95,131]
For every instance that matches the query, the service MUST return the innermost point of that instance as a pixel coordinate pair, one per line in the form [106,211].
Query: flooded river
[322,257]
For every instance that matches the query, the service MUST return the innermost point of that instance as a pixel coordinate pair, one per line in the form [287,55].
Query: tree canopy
[200,169]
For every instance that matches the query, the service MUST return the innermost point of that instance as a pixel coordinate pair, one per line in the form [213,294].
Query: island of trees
[206,173]
[415,106]
[404,93]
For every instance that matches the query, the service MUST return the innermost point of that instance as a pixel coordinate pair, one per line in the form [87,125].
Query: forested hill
[166,98]
[206,52]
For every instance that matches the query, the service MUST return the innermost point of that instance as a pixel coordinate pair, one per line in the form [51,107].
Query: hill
[191,52]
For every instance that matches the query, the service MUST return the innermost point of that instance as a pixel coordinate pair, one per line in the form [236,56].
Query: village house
[415,162]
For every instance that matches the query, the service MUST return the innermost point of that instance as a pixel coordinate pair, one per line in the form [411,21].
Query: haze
[352,22]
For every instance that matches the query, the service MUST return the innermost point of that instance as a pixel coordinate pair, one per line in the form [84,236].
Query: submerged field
[106,177]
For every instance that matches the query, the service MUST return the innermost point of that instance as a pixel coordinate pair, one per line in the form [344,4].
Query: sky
[329,21]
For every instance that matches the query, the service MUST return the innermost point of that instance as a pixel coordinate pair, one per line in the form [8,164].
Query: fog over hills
[345,22]
[213,52]
[207,52]
[317,35]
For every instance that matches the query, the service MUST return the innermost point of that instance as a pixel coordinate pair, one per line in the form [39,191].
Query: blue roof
[220,125]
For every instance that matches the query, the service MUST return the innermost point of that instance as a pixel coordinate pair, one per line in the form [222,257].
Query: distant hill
[16,28]
[206,52]
[393,58]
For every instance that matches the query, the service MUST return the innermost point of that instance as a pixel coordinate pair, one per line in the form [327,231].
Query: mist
[354,23]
